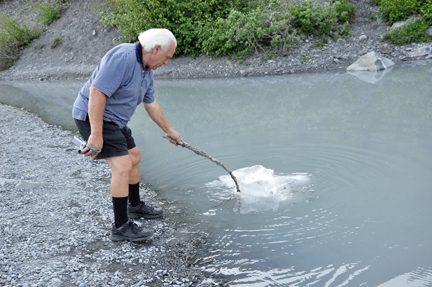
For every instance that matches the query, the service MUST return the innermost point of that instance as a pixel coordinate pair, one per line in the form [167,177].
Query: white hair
[149,39]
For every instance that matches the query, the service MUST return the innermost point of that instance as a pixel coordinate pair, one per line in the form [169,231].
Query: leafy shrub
[393,11]
[186,19]
[48,12]
[400,10]
[278,24]
[225,27]
[427,11]
[13,38]
[268,24]
[312,18]
[344,10]
[413,32]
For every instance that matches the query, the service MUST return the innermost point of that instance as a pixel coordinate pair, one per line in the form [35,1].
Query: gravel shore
[56,214]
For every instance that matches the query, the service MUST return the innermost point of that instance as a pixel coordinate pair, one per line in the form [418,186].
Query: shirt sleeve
[111,74]
[149,96]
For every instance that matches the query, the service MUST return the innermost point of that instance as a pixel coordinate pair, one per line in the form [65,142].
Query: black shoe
[142,210]
[130,231]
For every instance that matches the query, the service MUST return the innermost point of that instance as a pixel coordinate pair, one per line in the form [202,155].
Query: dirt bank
[84,41]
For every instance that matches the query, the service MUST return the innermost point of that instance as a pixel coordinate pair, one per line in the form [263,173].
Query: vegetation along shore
[66,39]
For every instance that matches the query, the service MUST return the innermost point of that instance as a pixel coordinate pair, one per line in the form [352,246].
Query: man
[106,103]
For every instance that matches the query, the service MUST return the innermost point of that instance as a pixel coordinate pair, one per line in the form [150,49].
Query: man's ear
[157,48]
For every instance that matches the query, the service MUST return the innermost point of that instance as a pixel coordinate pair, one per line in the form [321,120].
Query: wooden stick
[204,154]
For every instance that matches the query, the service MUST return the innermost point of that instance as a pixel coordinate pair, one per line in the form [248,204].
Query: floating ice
[260,189]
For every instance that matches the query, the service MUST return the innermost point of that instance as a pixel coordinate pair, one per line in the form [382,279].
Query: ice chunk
[260,189]
[256,181]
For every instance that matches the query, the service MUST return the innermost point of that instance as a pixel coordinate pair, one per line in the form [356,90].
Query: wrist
[169,130]
[96,134]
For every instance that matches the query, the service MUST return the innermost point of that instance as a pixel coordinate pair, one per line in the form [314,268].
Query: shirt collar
[139,55]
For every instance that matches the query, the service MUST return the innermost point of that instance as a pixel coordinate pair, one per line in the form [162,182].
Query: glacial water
[334,172]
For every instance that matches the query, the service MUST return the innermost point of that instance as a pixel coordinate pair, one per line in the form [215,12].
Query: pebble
[363,38]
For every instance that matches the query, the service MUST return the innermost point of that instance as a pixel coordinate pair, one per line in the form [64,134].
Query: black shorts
[116,141]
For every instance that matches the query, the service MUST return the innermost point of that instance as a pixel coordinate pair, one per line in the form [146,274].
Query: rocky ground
[56,215]
[84,41]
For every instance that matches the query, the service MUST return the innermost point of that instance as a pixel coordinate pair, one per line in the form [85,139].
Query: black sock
[134,196]
[120,210]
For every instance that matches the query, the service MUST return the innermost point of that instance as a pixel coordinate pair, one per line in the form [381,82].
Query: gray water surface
[352,164]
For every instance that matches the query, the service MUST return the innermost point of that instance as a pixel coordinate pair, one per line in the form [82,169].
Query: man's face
[158,57]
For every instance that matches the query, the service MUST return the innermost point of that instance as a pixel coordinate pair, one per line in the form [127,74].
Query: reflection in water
[343,196]
[371,77]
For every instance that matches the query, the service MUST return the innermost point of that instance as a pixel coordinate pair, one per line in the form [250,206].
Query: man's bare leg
[137,208]
[124,229]
[134,195]
[121,167]
[135,158]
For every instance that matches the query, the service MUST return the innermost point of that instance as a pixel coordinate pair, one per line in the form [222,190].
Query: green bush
[313,18]
[13,38]
[413,32]
[393,11]
[187,19]
[48,12]
[268,24]
[427,11]
[344,10]
[400,10]
[224,27]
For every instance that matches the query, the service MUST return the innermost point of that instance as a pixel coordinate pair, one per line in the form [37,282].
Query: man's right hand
[96,141]
[174,137]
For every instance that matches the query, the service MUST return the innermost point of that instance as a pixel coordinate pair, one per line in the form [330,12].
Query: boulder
[371,62]
[420,52]
[402,24]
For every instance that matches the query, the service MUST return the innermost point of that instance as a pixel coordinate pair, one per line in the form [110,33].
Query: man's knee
[135,156]
[120,165]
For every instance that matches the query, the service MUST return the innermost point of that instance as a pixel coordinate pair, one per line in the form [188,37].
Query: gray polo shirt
[123,78]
